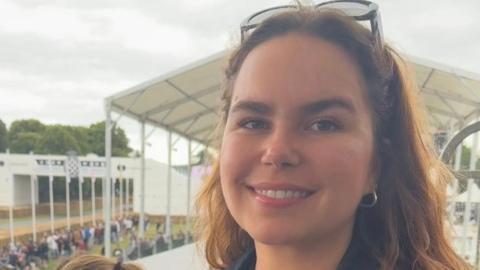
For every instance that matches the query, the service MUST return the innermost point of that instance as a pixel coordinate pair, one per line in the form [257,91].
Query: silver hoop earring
[372,203]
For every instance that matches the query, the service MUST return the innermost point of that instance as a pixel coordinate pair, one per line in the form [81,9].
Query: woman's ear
[379,161]
[370,186]
[374,175]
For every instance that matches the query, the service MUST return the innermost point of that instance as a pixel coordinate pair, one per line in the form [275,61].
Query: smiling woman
[324,161]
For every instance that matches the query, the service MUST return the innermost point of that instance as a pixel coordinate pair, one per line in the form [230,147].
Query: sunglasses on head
[360,10]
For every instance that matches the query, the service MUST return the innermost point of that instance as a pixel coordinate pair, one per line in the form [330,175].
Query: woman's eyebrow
[310,108]
[251,106]
[322,105]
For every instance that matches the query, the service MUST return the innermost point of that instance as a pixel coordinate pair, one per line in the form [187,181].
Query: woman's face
[298,144]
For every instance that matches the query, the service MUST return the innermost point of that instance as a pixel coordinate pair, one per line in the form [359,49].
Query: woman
[324,161]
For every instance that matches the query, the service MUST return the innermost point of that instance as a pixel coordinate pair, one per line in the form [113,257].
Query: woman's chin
[275,237]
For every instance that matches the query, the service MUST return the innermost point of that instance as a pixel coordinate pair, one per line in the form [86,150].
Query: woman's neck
[321,254]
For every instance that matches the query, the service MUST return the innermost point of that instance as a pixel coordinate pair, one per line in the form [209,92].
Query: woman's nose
[280,151]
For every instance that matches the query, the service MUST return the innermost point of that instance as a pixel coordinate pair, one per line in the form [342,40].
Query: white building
[17,171]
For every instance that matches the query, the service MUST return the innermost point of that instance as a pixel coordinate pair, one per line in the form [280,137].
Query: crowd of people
[63,243]
[147,246]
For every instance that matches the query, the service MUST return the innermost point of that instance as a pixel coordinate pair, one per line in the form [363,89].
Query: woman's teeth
[282,194]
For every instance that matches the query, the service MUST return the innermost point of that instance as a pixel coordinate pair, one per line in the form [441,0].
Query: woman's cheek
[345,159]
[233,157]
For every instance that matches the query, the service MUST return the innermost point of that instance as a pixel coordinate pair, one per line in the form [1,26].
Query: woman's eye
[324,125]
[253,124]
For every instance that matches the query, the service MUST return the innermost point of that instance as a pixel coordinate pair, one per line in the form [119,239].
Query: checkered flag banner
[71,166]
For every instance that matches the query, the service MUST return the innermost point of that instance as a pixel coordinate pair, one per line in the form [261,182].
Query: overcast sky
[60,58]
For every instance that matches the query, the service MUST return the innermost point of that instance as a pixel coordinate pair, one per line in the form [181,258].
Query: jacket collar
[355,258]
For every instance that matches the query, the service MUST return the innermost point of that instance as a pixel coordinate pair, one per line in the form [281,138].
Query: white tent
[186,101]
[463,197]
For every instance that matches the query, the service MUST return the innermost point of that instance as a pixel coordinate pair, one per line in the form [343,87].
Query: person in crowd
[118,222]
[179,239]
[128,224]
[114,232]
[91,240]
[146,223]
[135,221]
[158,226]
[160,243]
[86,236]
[42,251]
[34,255]
[59,236]
[52,246]
[324,159]
[77,237]
[99,234]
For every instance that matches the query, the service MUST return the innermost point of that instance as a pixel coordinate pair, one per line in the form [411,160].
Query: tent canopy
[474,196]
[187,101]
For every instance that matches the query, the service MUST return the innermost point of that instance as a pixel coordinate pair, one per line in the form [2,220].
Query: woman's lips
[282,193]
[279,195]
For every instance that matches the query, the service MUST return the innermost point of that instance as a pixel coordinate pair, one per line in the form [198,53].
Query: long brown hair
[406,228]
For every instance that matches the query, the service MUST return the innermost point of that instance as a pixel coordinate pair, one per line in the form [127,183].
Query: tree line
[27,135]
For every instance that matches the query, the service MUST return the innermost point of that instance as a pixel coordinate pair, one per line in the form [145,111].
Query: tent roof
[475,195]
[186,101]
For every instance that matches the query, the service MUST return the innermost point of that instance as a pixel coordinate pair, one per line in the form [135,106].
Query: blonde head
[95,262]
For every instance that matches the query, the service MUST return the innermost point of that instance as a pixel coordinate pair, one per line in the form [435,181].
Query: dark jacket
[354,259]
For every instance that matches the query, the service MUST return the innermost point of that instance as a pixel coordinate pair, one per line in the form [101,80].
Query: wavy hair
[406,229]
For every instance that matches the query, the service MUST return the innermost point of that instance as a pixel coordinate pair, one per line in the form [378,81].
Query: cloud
[59,59]
[442,31]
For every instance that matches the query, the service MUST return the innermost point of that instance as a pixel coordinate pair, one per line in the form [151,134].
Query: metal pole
[94,210]
[121,194]
[67,192]
[10,216]
[33,199]
[142,181]
[80,197]
[33,202]
[189,183]
[466,214]
[12,199]
[113,197]
[477,255]
[50,191]
[108,174]
[458,162]
[127,195]
[169,182]
[456,167]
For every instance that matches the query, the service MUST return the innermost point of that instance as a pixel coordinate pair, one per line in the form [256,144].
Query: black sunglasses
[359,10]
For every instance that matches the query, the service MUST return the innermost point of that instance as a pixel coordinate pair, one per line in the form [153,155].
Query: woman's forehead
[298,69]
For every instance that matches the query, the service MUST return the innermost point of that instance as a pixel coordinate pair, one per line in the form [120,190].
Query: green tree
[31,135]
[23,135]
[81,136]
[3,136]
[56,140]
[97,140]
[25,142]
